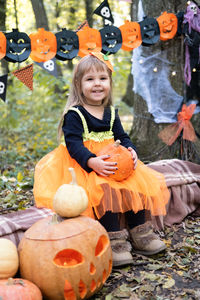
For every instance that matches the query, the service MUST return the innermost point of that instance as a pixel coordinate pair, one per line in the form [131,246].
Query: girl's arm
[120,134]
[134,156]
[101,166]
[73,130]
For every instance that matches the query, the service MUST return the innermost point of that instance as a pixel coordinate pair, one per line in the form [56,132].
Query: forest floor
[171,275]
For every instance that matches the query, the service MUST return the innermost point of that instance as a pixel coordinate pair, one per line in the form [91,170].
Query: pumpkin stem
[73,176]
[10,281]
[117,143]
[54,219]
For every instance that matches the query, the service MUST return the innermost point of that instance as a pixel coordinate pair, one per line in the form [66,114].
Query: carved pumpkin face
[67,44]
[111,39]
[43,45]
[168,24]
[18,46]
[70,259]
[150,31]
[131,35]
[89,40]
[2,45]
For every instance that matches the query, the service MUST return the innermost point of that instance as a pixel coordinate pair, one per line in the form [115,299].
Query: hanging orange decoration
[2,45]
[168,24]
[131,35]
[89,40]
[43,45]
[170,133]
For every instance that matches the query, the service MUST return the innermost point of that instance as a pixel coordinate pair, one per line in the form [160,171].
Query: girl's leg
[121,247]
[110,221]
[133,219]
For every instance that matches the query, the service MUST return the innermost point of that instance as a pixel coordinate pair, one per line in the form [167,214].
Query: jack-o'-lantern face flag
[104,11]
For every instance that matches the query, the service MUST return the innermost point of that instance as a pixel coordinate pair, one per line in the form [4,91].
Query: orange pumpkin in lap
[122,157]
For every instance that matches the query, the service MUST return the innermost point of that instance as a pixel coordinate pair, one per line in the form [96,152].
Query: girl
[90,122]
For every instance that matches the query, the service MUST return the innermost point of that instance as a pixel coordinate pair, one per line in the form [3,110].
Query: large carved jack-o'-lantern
[66,258]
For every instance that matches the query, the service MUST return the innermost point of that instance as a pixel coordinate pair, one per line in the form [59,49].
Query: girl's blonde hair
[76,96]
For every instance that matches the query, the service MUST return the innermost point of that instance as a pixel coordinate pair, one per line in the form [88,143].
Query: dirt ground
[171,275]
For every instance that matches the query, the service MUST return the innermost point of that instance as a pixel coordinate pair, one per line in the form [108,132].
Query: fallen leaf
[154,266]
[19,177]
[169,283]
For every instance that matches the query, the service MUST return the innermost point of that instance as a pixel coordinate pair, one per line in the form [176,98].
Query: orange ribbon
[103,58]
[171,132]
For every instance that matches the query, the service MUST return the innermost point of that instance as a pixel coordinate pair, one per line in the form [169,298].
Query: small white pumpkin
[9,259]
[70,200]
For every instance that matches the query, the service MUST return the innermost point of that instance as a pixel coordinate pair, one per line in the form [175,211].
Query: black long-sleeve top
[73,131]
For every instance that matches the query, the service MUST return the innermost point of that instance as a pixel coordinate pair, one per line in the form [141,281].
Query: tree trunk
[89,11]
[144,131]
[2,15]
[40,14]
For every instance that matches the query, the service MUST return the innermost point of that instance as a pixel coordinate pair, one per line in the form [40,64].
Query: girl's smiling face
[95,86]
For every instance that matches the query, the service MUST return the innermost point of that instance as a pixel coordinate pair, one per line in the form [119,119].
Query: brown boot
[145,241]
[121,248]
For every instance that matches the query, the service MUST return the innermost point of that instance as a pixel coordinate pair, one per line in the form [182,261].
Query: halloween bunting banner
[103,10]
[131,34]
[49,66]
[89,40]
[18,46]
[168,25]
[83,24]
[41,46]
[150,31]
[25,75]
[3,87]
[111,39]
[2,45]
[67,44]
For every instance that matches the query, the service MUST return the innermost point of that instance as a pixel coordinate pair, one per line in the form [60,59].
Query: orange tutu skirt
[143,189]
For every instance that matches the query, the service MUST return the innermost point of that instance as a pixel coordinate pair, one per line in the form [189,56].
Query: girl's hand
[101,166]
[134,156]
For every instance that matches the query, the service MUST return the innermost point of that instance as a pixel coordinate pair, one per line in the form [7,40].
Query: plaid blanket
[183,181]
[13,225]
